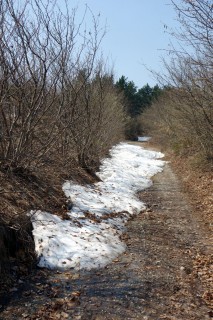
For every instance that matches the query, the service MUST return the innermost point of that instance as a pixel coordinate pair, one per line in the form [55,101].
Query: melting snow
[91,238]
[144,139]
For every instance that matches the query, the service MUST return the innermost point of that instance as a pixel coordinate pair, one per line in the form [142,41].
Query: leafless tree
[56,98]
[190,73]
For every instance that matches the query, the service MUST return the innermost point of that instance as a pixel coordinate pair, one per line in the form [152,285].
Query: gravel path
[152,280]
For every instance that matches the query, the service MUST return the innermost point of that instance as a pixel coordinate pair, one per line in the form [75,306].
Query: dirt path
[152,280]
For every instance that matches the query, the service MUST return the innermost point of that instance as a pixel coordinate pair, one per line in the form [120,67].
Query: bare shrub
[53,98]
[99,117]
[186,109]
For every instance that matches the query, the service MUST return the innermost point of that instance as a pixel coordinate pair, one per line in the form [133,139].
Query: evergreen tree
[130,91]
[137,100]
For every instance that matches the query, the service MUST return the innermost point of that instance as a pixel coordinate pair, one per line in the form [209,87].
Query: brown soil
[160,276]
[40,188]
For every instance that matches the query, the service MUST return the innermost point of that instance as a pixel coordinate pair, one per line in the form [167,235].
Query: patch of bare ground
[197,180]
[156,278]
[196,176]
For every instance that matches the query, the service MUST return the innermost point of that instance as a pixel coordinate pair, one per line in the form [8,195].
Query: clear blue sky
[135,34]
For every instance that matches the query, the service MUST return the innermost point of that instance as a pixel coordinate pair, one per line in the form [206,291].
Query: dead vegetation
[197,179]
[182,116]
[59,112]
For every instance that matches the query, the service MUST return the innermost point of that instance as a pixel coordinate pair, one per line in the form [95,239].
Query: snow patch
[91,238]
[144,139]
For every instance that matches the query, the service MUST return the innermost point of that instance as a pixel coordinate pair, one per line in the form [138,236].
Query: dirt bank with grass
[23,190]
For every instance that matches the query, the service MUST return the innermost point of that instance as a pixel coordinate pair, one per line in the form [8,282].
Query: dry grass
[197,178]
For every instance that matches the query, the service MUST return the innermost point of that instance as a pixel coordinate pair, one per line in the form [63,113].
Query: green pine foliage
[135,101]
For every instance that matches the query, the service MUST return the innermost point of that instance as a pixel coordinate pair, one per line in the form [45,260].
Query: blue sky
[136,34]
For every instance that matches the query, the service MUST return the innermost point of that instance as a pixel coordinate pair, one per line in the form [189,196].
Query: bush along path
[155,278]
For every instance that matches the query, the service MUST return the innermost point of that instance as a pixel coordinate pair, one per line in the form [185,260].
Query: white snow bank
[144,139]
[91,238]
